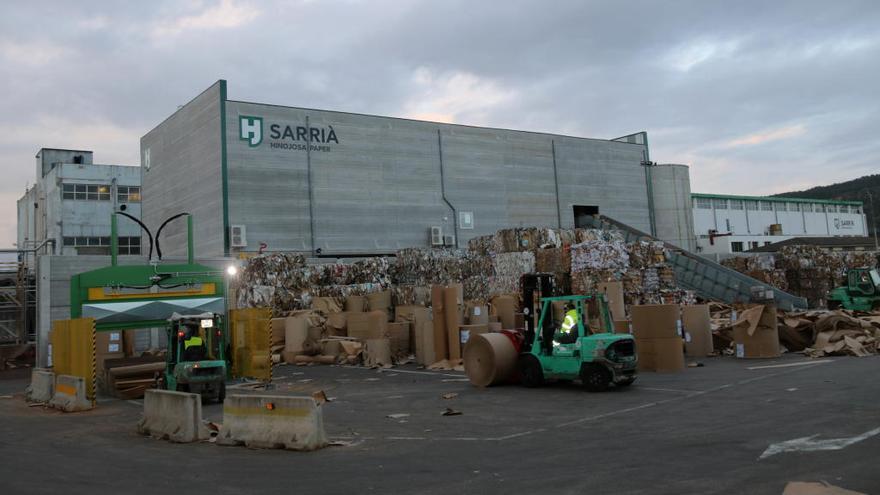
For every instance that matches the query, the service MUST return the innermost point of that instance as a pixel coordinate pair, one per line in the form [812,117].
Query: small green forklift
[598,360]
[861,292]
[195,360]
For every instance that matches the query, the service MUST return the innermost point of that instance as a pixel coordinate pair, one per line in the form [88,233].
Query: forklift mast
[534,287]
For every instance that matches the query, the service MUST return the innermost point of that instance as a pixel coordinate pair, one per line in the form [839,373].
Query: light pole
[873,221]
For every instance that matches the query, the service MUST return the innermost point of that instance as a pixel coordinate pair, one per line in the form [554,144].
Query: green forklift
[196,357]
[598,359]
[861,292]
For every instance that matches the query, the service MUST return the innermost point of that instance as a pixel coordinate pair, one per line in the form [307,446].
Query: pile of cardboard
[806,271]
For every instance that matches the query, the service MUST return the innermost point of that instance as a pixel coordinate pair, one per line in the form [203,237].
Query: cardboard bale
[663,354]
[380,301]
[656,321]
[296,331]
[476,313]
[331,348]
[465,331]
[425,343]
[326,305]
[614,292]
[377,353]
[495,326]
[337,324]
[519,321]
[441,342]
[278,331]
[697,326]
[505,308]
[755,333]
[355,304]
[369,325]
[453,318]
[621,326]
[398,334]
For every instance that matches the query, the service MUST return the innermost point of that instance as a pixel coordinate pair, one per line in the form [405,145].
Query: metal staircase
[706,278]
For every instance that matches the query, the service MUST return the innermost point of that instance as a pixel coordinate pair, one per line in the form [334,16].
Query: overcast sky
[757,97]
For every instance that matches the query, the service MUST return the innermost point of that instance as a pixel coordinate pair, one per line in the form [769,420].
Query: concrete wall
[181,172]
[671,187]
[377,187]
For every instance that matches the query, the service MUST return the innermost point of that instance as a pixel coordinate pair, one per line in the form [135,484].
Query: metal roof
[777,199]
[828,242]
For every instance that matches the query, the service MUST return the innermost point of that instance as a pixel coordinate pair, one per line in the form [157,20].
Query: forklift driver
[568,331]
[193,347]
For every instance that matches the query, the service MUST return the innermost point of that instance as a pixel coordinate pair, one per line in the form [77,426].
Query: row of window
[100,192]
[737,246]
[739,204]
[127,245]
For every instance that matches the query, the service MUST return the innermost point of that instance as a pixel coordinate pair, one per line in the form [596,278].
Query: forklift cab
[863,281]
[196,356]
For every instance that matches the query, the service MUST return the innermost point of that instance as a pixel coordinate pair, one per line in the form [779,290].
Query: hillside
[852,190]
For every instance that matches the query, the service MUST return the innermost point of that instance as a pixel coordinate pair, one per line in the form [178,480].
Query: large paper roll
[489,359]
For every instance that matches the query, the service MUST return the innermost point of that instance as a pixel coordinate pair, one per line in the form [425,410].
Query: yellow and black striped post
[93,396]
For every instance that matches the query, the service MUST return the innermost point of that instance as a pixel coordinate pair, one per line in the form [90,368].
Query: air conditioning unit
[449,240]
[436,236]
[237,236]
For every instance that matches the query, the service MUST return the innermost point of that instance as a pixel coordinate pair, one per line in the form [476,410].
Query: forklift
[598,359]
[861,292]
[196,358]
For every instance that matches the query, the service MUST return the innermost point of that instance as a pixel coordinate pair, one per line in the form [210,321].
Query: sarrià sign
[286,137]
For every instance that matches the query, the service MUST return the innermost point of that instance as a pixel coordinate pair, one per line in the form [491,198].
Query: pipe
[443,188]
[114,241]
[556,184]
[189,239]
[311,189]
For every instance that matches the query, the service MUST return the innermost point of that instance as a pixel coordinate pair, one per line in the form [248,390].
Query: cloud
[224,15]
[453,96]
[32,54]
[685,57]
[768,136]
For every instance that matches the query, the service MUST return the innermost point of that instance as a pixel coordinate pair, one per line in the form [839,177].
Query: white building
[72,201]
[730,224]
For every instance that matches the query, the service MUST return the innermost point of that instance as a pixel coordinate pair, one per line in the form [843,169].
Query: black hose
[159,232]
[149,234]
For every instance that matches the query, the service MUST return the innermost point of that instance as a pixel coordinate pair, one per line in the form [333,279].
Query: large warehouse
[337,183]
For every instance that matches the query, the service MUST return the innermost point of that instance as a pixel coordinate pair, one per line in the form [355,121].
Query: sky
[756,97]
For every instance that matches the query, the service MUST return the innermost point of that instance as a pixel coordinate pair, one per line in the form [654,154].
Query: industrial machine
[861,292]
[196,356]
[598,359]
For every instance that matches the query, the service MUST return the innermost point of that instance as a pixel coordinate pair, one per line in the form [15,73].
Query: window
[736,247]
[736,204]
[807,207]
[766,206]
[844,209]
[704,203]
[767,243]
[752,205]
[85,192]
[780,207]
[753,244]
[127,245]
[128,194]
[794,207]
[856,209]
[831,209]
[820,208]
[720,204]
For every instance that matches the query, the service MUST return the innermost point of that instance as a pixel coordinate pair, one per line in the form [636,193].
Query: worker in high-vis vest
[568,330]
[193,346]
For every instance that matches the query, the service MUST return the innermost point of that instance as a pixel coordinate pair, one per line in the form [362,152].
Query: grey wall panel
[671,187]
[184,175]
[379,188]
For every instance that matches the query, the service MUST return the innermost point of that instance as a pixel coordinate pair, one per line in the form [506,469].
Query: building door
[582,213]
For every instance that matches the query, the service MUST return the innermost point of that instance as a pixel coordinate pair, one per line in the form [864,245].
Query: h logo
[251,130]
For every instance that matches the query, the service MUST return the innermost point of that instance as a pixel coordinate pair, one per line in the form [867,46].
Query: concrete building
[726,224]
[337,183]
[71,202]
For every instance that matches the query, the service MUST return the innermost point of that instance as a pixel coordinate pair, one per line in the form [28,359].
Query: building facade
[729,224]
[71,202]
[337,183]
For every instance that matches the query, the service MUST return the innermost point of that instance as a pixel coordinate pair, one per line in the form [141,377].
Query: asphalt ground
[703,430]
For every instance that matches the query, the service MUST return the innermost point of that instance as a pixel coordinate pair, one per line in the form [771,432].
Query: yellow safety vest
[192,341]
[571,319]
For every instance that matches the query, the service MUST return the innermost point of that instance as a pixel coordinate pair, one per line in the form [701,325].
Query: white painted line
[516,435]
[406,438]
[788,365]
[668,390]
[612,413]
[808,444]
[413,372]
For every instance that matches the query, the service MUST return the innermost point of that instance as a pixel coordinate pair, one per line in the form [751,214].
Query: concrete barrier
[272,422]
[70,394]
[174,416]
[42,385]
